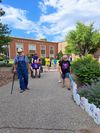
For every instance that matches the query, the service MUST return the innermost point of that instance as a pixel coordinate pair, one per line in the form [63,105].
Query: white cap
[19,50]
[65,56]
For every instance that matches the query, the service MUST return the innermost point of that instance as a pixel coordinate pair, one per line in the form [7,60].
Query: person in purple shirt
[35,69]
[65,69]
[35,57]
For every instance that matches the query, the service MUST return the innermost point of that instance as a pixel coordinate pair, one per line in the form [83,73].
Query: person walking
[65,69]
[55,63]
[21,65]
[47,62]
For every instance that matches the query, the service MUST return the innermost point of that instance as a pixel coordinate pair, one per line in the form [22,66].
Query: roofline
[32,39]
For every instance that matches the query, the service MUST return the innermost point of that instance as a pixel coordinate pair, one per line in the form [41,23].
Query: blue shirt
[21,58]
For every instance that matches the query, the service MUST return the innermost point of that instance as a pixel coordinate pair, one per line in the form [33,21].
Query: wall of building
[61,46]
[26,42]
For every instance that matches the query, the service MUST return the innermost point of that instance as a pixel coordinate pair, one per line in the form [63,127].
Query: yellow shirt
[47,60]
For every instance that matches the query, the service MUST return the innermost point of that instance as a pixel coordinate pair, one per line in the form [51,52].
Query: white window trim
[29,46]
[45,50]
[53,49]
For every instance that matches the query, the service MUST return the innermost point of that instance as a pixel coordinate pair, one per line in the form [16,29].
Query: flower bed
[90,108]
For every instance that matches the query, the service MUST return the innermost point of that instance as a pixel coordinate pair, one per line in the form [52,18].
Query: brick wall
[26,42]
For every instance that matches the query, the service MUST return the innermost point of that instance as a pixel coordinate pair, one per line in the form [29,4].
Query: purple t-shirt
[35,65]
[65,66]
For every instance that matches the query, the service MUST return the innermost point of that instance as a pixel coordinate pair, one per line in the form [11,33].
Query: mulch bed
[5,76]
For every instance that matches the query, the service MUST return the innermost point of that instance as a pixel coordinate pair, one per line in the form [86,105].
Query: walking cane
[13,82]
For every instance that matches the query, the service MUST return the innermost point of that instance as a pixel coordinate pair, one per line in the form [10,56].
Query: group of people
[22,66]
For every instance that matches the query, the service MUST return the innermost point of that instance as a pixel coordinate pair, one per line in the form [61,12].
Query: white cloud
[57,23]
[68,12]
[44,3]
[17,18]
[72,5]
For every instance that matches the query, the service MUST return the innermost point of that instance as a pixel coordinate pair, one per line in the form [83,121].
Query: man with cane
[21,65]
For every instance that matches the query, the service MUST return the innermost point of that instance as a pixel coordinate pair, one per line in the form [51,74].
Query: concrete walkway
[45,108]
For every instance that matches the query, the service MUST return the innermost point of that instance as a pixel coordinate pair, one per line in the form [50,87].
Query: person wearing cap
[65,69]
[21,65]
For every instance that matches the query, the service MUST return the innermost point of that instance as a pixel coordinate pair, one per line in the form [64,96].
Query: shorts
[47,64]
[36,68]
[67,75]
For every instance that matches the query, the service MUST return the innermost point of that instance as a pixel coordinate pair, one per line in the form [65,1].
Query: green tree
[4,32]
[84,40]
[60,54]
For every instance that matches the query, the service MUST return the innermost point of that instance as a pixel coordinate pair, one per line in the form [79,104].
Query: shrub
[2,64]
[1,58]
[86,69]
[43,61]
[91,92]
[9,65]
[30,58]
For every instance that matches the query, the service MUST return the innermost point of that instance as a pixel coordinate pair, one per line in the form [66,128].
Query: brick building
[42,47]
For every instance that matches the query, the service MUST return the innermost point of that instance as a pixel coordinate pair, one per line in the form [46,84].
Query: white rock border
[91,109]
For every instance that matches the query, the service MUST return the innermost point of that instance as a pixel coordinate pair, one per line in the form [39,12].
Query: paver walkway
[45,108]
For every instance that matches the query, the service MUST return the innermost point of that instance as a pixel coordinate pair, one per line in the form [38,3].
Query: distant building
[42,47]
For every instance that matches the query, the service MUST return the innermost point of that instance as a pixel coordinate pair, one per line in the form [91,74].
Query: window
[19,45]
[51,51]
[43,50]
[32,48]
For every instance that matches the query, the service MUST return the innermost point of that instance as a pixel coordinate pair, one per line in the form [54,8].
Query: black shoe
[33,76]
[27,88]
[69,89]
[39,76]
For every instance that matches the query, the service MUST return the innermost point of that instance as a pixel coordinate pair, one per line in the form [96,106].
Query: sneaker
[63,85]
[59,81]
[21,91]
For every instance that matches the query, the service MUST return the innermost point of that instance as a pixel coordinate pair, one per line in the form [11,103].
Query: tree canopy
[4,31]
[83,40]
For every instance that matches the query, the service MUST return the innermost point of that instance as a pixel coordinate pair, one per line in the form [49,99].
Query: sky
[49,19]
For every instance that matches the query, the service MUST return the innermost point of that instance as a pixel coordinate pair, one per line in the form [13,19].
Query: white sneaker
[59,81]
